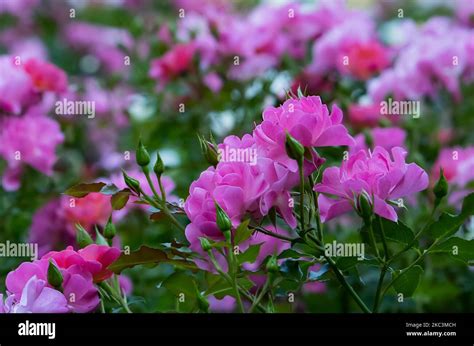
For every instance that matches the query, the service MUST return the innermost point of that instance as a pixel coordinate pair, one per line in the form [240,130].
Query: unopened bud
[441,188]
[82,237]
[159,167]
[142,156]
[55,278]
[294,149]
[205,244]
[132,183]
[109,230]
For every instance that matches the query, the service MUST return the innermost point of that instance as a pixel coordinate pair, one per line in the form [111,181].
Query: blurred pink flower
[174,62]
[46,76]
[377,175]
[92,209]
[103,42]
[364,59]
[431,60]
[361,116]
[32,140]
[458,168]
[352,48]
[16,86]
[386,138]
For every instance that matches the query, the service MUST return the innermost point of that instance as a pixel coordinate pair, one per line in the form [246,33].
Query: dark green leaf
[250,255]
[460,249]
[221,287]
[180,282]
[120,199]
[448,224]
[82,190]
[243,232]
[393,231]
[407,282]
[146,255]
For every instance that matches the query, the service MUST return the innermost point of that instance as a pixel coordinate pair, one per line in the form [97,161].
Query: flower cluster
[243,188]
[27,135]
[29,288]
[428,61]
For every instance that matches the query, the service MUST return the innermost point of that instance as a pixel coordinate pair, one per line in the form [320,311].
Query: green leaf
[180,282]
[448,224]
[290,253]
[146,255]
[457,248]
[347,263]
[82,190]
[291,269]
[407,281]
[468,206]
[250,255]
[393,231]
[221,287]
[243,232]
[120,199]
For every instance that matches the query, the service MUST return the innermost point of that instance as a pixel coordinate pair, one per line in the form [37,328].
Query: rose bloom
[308,120]
[172,63]
[364,59]
[46,76]
[458,168]
[377,175]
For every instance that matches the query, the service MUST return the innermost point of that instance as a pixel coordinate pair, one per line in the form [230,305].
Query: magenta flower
[93,259]
[103,42]
[46,76]
[308,120]
[364,59]
[172,63]
[352,48]
[458,168]
[37,297]
[377,175]
[16,86]
[426,63]
[49,227]
[387,138]
[224,305]
[92,209]
[79,291]
[32,140]
[235,186]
